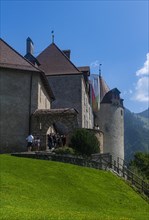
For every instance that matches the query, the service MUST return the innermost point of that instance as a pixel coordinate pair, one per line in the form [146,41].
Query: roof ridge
[66,56]
[20,55]
[35,69]
[63,54]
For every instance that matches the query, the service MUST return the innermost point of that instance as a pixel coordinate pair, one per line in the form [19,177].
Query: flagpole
[52,32]
[100,69]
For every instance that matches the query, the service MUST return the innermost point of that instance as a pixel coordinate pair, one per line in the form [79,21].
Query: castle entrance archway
[42,120]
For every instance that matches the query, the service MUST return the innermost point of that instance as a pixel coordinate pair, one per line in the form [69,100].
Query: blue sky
[113,33]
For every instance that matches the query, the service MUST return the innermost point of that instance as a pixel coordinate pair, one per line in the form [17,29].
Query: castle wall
[14,111]
[67,91]
[87,114]
[70,92]
[43,99]
[18,100]
[111,122]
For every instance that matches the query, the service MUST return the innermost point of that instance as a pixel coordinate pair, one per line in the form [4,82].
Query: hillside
[144,114]
[45,190]
[136,127]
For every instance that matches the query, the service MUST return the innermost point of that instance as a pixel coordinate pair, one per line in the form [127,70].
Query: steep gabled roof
[54,62]
[32,59]
[9,58]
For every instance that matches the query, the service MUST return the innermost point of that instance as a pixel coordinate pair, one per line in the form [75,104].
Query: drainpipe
[30,102]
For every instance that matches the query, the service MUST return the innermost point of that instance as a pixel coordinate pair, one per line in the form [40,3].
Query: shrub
[85,142]
[64,150]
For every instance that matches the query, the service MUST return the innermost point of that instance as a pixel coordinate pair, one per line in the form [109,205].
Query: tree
[140,163]
[85,142]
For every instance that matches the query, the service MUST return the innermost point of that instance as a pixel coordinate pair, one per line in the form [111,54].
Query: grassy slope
[35,189]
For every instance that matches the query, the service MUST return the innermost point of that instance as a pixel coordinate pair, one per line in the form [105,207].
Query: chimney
[29,46]
[67,53]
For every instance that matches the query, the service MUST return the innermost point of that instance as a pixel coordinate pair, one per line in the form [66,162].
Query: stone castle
[48,93]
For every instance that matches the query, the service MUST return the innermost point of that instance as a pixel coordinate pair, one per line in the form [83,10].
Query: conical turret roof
[104,88]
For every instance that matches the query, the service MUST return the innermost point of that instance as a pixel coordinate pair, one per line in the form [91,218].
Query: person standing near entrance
[37,143]
[30,140]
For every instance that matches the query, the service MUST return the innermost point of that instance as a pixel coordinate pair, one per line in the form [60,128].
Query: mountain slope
[136,127]
[144,114]
[35,189]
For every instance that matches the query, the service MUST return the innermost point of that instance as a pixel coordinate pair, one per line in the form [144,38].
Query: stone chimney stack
[67,53]
[29,46]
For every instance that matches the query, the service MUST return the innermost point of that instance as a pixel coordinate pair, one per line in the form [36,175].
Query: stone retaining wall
[77,160]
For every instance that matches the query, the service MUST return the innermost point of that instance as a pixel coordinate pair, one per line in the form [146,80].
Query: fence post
[110,160]
[115,165]
[132,178]
[118,164]
[142,186]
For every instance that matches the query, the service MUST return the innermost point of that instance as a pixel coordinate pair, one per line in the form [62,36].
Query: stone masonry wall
[15,107]
[14,111]
[43,99]
[87,114]
[70,92]
[67,91]
[111,122]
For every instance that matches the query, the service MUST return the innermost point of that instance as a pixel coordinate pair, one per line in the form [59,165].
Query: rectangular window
[40,94]
[45,102]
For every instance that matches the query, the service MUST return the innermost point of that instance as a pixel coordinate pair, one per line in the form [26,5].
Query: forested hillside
[144,114]
[136,127]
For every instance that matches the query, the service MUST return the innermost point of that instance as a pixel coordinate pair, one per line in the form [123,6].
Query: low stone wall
[77,160]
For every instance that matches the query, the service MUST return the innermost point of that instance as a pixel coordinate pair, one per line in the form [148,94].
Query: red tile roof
[54,62]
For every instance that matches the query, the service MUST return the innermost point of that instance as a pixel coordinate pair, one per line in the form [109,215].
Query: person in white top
[30,140]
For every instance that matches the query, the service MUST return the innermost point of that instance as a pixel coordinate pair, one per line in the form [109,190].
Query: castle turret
[110,119]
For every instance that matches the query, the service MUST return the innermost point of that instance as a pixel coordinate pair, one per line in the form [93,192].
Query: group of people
[56,140]
[33,142]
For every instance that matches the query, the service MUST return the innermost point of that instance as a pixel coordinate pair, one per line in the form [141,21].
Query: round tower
[111,121]
[110,118]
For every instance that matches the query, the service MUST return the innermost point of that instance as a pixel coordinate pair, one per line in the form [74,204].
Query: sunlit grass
[44,190]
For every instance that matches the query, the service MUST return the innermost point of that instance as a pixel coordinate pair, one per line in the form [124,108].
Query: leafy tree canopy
[141,164]
[85,142]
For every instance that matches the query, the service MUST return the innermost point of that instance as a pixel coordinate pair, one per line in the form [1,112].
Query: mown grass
[44,190]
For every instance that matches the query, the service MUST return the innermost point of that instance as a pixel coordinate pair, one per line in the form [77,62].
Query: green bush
[64,150]
[85,142]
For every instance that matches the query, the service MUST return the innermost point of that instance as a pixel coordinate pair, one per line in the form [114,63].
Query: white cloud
[142,85]
[145,69]
[142,89]
[127,92]
[95,64]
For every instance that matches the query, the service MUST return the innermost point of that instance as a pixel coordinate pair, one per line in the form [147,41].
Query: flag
[96,91]
[93,99]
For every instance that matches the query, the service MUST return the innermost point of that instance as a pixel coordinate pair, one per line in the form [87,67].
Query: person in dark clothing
[50,141]
[63,140]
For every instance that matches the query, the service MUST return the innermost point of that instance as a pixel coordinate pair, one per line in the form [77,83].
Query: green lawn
[40,190]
